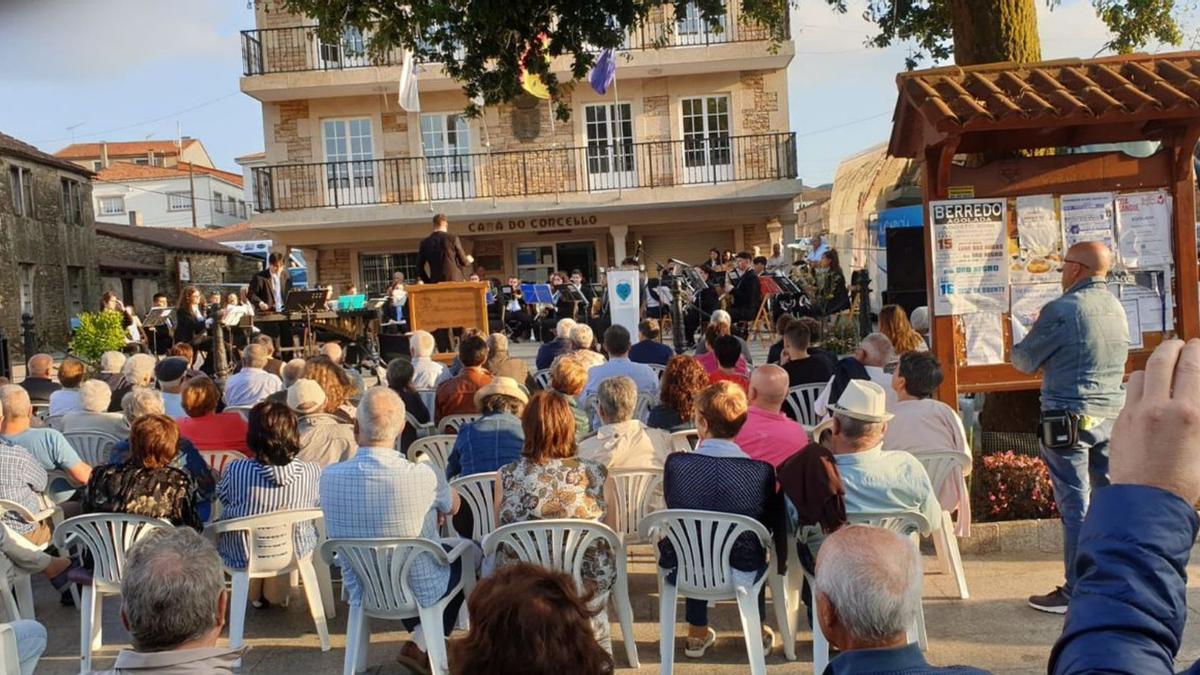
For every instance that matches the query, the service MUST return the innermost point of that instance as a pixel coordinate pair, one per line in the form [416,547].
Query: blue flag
[604,72]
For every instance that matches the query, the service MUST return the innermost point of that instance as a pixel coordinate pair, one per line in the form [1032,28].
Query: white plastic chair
[10,659]
[560,545]
[217,460]
[942,466]
[243,410]
[269,541]
[94,447]
[107,537]
[542,378]
[641,410]
[22,584]
[436,448]
[54,421]
[703,542]
[381,567]
[450,424]
[800,404]
[423,430]
[658,369]
[637,491]
[478,492]
[428,397]
[684,440]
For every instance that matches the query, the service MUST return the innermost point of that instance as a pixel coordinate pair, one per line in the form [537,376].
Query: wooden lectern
[449,304]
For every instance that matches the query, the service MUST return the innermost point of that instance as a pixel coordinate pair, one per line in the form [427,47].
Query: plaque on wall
[526,119]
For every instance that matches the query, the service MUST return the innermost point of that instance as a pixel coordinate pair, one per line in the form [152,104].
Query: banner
[625,298]
[970,255]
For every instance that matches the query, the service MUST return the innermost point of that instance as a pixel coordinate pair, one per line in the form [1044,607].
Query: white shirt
[173,405]
[427,373]
[249,386]
[818,253]
[277,285]
[65,401]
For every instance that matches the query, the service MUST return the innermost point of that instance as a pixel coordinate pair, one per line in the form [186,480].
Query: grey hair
[855,429]
[617,398]
[420,343]
[497,342]
[170,591]
[334,351]
[563,328]
[872,576]
[14,401]
[142,401]
[94,396]
[380,417]
[878,348]
[139,370]
[920,319]
[582,336]
[255,356]
[721,316]
[111,362]
[292,371]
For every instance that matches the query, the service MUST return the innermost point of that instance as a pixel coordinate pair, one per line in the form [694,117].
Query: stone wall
[335,267]
[206,268]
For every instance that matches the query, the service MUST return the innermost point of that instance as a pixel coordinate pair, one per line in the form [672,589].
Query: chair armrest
[458,549]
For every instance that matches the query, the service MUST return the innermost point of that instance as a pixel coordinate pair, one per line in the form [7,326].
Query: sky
[79,71]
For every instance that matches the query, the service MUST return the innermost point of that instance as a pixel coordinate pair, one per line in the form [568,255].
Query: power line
[140,124]
[842,125]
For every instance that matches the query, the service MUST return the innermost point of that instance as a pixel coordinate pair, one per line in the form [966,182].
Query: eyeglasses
[1076,262]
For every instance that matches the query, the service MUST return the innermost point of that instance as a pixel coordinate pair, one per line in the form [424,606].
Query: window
[218,202]
[97,165]
[446,139]
[242,208]
[692,29]
[706,143]
[75,290]
[26,272]
[179,201]
[376,269]
[21,183]
[112,206]
[350,52]
[233,211]
[609,131]
[71,198]
[156,160]
[141,161]
[349,169]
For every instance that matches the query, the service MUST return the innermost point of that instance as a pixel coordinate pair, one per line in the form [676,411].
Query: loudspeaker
[906,267]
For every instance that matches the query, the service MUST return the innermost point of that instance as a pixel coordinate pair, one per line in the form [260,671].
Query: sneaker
[1054,602]
[695,647]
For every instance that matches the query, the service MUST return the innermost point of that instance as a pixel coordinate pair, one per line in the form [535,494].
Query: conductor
[268,290]
[441,258]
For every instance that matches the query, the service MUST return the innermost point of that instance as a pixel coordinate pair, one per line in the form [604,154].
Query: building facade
[98,156]
[47,244]
[690,150]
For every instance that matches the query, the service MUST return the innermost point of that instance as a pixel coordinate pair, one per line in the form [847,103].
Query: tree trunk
[989,31]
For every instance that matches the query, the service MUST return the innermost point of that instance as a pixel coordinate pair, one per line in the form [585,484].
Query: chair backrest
[478,492]
[436,448]
[93,447]
[107,537]
[381,567]
[906,523]
[40,410]
[658,369]
[542,378]
[411,421]
[451,424]
[269,539]
[943,465]
[558,544]
[54,421]
[801,401]
[428,396]
[641,410]
[636,490]
[7,507]
[10,658]
[217,460]
[703,542]
[684,440]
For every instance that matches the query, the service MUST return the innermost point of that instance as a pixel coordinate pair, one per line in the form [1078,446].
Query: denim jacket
[1079,342]
[486,444]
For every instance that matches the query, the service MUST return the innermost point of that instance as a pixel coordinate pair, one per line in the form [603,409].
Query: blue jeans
[1074,473]
[695,611]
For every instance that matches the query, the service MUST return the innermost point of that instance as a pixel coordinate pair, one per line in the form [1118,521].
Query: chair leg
[820,644]
[87,597]
[24,588]
[747,601]
[625,615]
[312,592]
[922,638]
[435,642]
[325,582]
[667,597]
[953,555]
[97,622]
[364,643]
[239,596]
[353,630]
[782,615]
[795,586]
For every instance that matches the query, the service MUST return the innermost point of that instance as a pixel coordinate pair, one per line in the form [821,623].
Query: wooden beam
[1187,297]
[937,176]
[1067,174]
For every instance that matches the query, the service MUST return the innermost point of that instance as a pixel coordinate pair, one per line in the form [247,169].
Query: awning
[897,217]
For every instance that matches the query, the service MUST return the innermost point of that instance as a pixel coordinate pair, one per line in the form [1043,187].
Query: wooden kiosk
[449,304]
[960,120]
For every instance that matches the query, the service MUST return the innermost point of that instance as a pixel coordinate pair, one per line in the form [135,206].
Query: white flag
[408,98]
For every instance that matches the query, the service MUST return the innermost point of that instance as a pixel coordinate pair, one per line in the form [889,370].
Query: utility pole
[191,171]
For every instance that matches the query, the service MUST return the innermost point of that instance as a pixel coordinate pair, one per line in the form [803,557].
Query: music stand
[157,316]
[575,294]
[787,285]
[306,302]
[537,294]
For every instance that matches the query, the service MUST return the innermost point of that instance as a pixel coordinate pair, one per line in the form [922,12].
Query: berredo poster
[970,255]
[1035,245]
[1144,229]
[1088,217]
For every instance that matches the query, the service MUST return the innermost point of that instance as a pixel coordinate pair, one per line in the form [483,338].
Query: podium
[449,304]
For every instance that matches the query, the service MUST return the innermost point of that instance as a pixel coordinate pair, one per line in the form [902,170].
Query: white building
[161,196]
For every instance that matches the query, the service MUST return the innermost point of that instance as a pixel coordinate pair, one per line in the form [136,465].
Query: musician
[395,306]
[706,302]
[747,295]
[516,313]
[109,302]
[760,265]
[162,334]
[268,292]
[819,248]
[191,323]
[831,295]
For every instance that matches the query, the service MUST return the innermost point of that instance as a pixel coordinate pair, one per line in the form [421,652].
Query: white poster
[1144,229]
[1156,313]
[1133,318]
[624,298]
[1028,301]
[984,333]
[1088,217]
[970,257]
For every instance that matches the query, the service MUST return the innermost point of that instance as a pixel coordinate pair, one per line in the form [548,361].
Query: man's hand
[1156,439]
[263,306]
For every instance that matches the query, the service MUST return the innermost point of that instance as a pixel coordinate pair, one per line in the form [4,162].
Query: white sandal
[694,648]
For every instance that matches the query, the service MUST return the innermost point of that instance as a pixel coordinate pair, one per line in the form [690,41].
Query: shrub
[98,332]
[1008,486]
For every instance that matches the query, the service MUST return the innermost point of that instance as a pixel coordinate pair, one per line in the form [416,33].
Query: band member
[268,291]
[831,295]
[760,265]
[109,302]
[191,323]
[440,257]
[819,247]
[161,334]
[707,301]
[395,307]
[747,294]
[516,315]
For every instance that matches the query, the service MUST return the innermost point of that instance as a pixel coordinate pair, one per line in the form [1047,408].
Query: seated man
[708,360]
[802,367]
[37,382]
[23,480]
[868,593]
[874,353]
[378,493]
[648,349]
[623,442]
[427,373]
[47,446]
[516,315]
[456,396]
[616,343]
[768,434]
[729,355]
[95,397]
[501,363]
[71,374]
[559,345]
[174,603]
[170,373]
[252,383]
[274,366]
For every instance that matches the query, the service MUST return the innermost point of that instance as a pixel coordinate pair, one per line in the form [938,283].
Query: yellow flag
[532,82]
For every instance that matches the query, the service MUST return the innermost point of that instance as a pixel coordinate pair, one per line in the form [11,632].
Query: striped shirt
[249,488]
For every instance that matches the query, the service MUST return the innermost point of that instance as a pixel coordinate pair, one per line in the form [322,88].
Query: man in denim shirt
[1079,342]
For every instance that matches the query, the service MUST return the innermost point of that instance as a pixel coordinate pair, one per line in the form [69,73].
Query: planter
[1014,536]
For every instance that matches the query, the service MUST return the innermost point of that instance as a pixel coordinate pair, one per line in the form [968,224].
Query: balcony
[545,171]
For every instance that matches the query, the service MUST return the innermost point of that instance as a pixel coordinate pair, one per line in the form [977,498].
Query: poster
[1035,242]
[1156,312]
[1027,303]
[1144,229]
[984,333]
[1133,318]
[624,298]
[970,256]
[1088,217]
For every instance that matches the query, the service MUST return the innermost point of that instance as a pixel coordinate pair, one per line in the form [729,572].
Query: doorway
[577,255]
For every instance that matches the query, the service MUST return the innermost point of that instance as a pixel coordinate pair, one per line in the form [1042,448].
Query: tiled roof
[13,146]
[252,157]
[244,231]
[164,237]
[122,149]
[118,172]
[957,101]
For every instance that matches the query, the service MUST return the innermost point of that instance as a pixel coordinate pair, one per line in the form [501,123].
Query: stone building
[137,262]
[47,244]
[693,152]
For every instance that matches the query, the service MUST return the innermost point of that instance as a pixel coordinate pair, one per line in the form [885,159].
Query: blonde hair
[569,374]
[723,406]
[893,322]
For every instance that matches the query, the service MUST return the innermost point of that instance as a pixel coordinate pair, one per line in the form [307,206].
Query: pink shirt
[770,437]
[218,431]
[708,360]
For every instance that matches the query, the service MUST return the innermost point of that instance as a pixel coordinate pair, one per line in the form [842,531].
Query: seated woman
[324,438]
[400,372]
[718,476]
[146,484]
[549,482]
[95,396]
[335,383]
[583,343]
[496,438]
[708,360]
[204,426]
[681,381]
[893,322]
[568,376]
[273,481]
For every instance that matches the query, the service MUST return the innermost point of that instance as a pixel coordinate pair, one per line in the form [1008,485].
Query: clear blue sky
[131,69]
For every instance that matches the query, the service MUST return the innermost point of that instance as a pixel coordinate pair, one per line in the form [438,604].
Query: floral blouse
[559,488]
[166,492]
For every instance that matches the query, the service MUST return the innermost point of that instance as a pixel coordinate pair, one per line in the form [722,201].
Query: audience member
[782,324]
[170,374]
[721,317]
[71,374]
[874,353]
[428,374]
[728,354]
[501,363]
[683,378]
[893,322]
[22,480]
[138,371]
[456,396]
[523,605]
[174,603]
[378,493]
[188,353]
[718,476]
[336,384]
[323,439]
[48,446]
[550,481]
[623,442]
[206,428]
[399,379]
[338,355]
[275,480]
[94,396]
[708,360]
[568,377]
[274,365]
[920,322]
[583,343]
[292,370]
[616,343]
[495,439]
[549,351]
[648,349]
[37,382]
[146,484]
[252,383]
[768,434]
[801,366]
[18,553]
[868,594]
[111,363]
[815,333]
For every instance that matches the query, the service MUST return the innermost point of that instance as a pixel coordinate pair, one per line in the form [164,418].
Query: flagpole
[553,147]
[487,140]
[617,118]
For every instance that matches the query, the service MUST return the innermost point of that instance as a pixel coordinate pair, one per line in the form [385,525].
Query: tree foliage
[98,332]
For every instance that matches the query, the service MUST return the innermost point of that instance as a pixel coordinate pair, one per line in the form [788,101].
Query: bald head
[1085,260]
[768,388]
[39,365]
[334,351]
